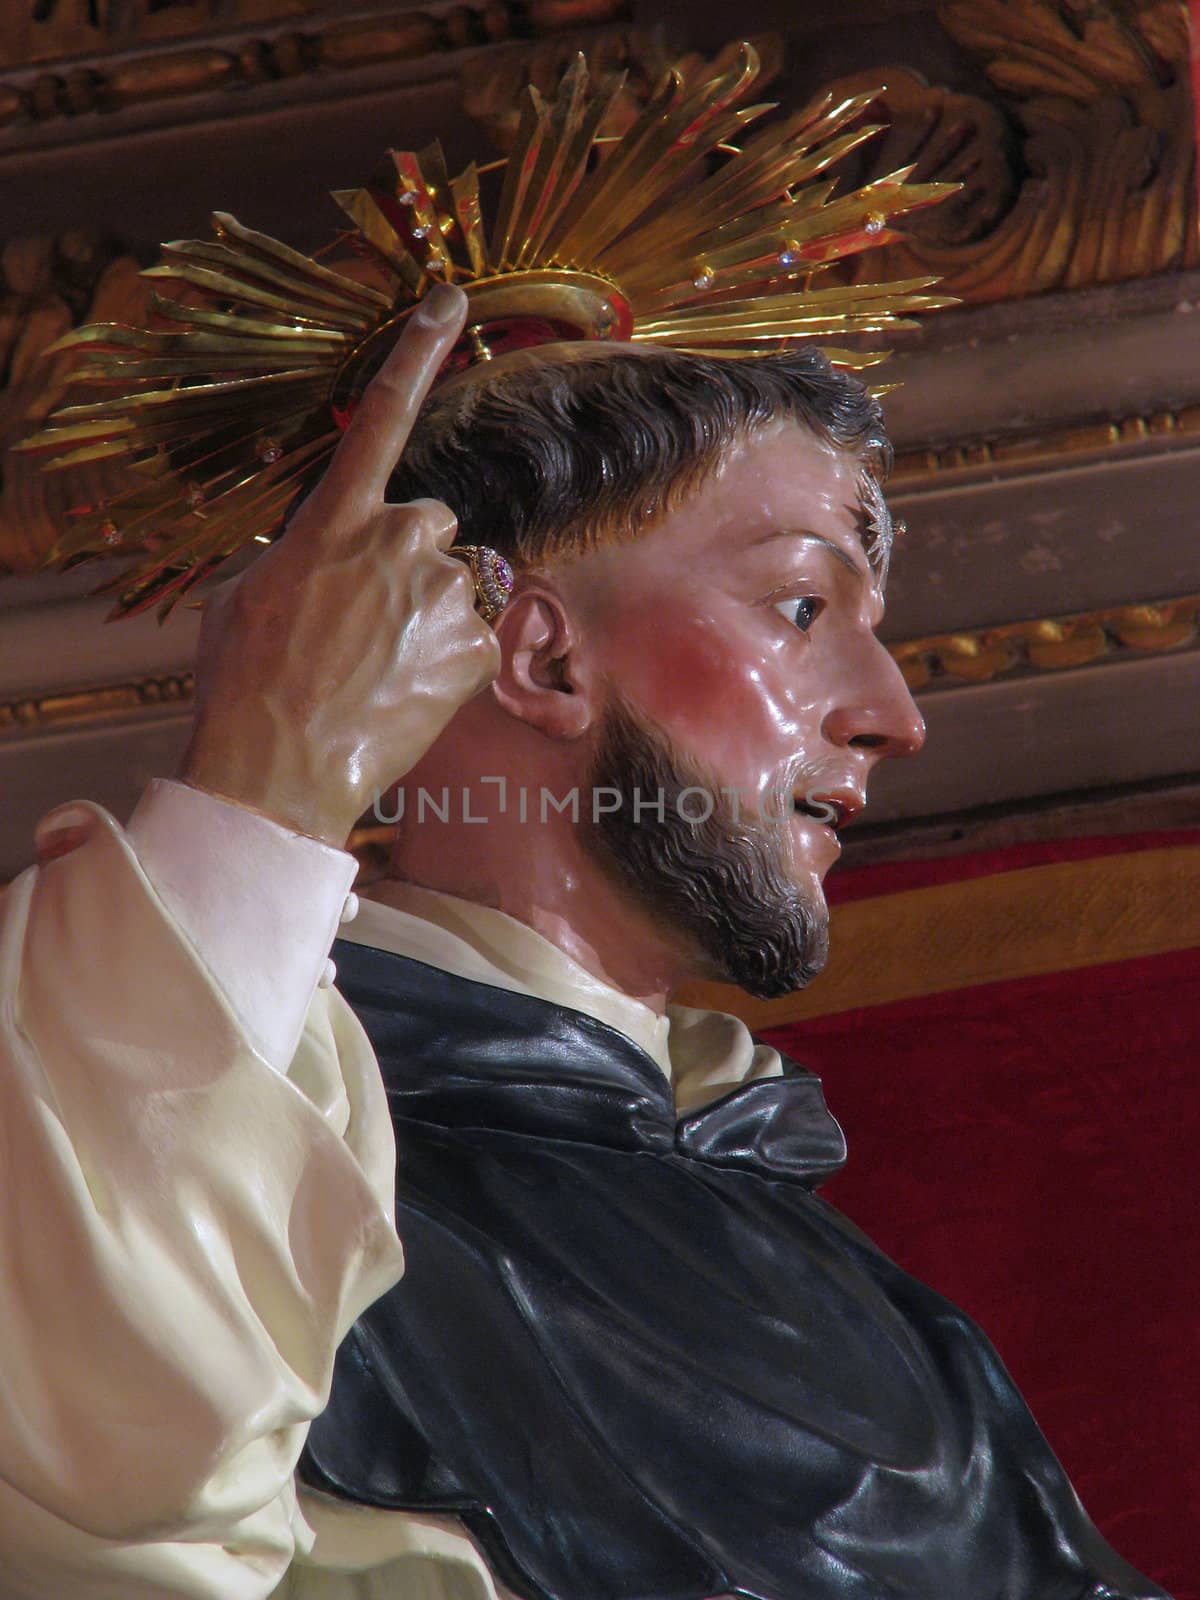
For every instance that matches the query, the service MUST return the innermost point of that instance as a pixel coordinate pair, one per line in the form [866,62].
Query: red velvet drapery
[1029,1148]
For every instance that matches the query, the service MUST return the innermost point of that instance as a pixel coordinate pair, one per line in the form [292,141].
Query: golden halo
[231,403]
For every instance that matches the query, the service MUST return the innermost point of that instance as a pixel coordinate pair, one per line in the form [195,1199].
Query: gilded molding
[1048,644]
[1055,444]
[1080,171]
[322,43]
[104,702]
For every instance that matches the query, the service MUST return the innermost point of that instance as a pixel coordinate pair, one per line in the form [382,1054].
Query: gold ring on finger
[491,574]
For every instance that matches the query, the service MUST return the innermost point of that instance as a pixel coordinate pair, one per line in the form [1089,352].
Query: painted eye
[801,612]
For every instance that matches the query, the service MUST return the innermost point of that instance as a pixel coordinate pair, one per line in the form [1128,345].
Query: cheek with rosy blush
[703,683]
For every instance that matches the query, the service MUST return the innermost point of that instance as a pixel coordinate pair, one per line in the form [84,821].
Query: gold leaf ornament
[681,233]
[1080,171]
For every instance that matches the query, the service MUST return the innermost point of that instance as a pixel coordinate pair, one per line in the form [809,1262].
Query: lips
[833,808]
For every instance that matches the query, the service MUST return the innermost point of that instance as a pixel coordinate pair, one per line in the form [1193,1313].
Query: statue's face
[739,638]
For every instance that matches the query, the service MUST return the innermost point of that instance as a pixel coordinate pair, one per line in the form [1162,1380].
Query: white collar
[703,1053]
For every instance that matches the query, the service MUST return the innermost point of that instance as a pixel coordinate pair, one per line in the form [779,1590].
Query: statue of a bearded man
[465,1264]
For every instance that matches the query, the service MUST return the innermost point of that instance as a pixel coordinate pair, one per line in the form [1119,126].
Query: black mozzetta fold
[642,1360]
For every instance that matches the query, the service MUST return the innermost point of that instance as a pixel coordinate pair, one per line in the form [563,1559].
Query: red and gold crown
[232,402]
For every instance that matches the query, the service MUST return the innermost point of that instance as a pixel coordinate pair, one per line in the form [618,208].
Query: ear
[541,680]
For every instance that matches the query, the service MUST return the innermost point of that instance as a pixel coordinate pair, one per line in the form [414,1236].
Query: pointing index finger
[371,446]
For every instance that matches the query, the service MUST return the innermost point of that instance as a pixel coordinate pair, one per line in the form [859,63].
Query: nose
[875,710]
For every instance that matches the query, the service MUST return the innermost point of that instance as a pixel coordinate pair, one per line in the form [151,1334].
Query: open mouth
[830,810]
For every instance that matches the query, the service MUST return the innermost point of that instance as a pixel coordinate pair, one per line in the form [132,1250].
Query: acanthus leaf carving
[49,286]
[1082,173]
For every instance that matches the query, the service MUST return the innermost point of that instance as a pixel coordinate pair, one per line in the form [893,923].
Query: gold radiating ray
[652,157]
[418,202]
[579,143]
[705,234]
[219,527]
[237,325]
[591,189]
[432,162]
[811,308]
[261,247]
[364,210]
[196,400]
[257,274]
[242,292]
[543,195]
[531,129]
[742,185]
[464,191]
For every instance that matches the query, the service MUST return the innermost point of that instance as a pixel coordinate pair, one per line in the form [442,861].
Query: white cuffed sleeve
[258,902]
[187,1233]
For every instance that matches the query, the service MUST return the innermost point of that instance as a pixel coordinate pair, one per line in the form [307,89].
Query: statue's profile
[466,1264]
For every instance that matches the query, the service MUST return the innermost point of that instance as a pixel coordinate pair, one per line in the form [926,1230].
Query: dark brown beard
[720,883]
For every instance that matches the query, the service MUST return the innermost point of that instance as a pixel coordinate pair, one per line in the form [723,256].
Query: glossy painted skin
[330,665]
[742,626]
[755,610]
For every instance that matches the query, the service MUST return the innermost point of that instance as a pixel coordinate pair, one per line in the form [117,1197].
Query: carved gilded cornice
[1080,170]
[1052,445]
[282,39]
[1048,644]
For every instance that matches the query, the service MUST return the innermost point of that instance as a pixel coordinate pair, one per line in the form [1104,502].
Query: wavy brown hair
[552,458]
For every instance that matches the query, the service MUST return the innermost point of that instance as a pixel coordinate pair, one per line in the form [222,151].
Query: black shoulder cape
[642,1360]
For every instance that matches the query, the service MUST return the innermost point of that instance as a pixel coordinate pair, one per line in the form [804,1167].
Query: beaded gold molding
[319,46]
[1052,445]
[1048,644]
[36,713]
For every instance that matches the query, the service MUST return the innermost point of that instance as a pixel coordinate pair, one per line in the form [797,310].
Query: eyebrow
[815,538]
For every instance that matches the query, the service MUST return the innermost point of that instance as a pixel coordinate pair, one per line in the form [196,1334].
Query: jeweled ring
[492,575]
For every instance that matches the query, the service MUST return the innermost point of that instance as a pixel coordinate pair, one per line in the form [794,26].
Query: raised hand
[329,667]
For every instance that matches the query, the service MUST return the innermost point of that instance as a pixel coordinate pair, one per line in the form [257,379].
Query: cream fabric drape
[186,1236]
[188,1232]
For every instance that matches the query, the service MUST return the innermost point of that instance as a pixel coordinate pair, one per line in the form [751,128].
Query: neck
[531,863]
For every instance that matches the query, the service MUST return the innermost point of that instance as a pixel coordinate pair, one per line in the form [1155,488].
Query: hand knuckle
[483,641]
[460,582]
[436,518]
[406,517]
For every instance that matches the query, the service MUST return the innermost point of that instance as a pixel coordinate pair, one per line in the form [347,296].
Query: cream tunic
[166,1335]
